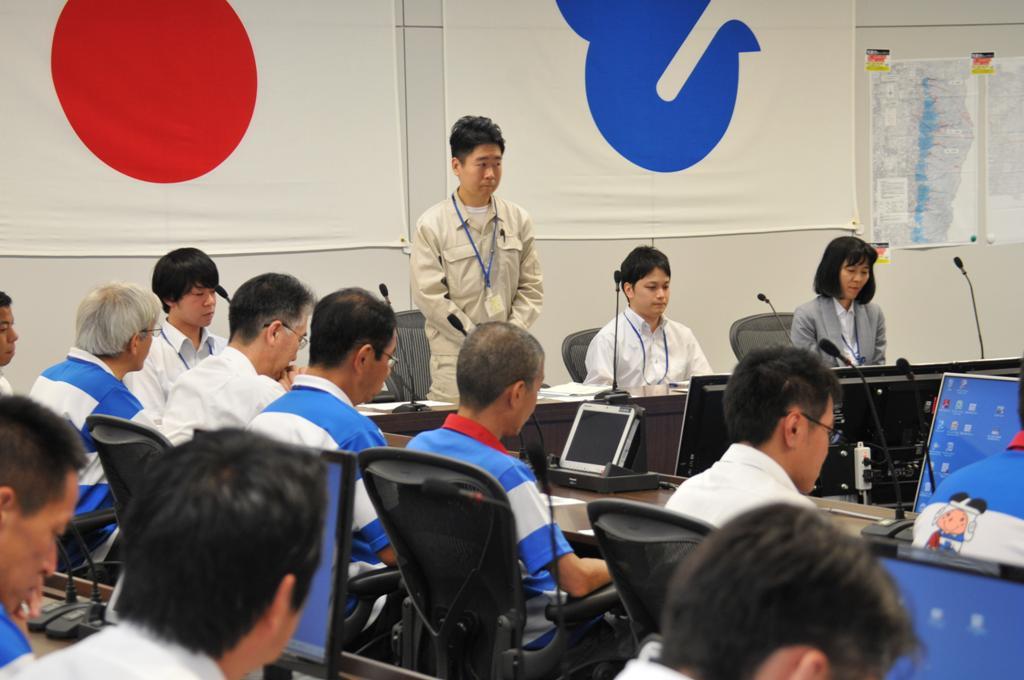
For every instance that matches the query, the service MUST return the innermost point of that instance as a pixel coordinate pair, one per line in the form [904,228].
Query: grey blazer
[817,319]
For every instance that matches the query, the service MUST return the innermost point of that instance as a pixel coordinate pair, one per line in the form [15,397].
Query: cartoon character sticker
[956,523]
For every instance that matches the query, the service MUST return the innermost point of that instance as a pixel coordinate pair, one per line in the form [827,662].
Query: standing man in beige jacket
[473,254]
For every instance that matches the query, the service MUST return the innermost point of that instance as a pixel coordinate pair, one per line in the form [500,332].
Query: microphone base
[615,396]
[412,407]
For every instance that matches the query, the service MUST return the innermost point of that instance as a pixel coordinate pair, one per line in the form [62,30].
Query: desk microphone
[413,406]
[764,298]
[457,324]
[221,291]
[53,610]
[615,395]
[922,432]
[960,265]
[384,293]
[829,348]
[65,626]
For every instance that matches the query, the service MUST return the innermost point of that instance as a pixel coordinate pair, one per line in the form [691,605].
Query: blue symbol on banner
[632,43]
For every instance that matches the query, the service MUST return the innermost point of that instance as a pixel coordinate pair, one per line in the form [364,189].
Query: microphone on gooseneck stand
[974,305]
[829,348]
[413,406]
[922,430]
[221,291]
[764,298]
[66,625]
[384,293]
[53,610]
[615,395]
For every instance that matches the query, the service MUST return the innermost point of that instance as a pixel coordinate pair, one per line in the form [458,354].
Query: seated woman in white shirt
[653,349]
[842,312]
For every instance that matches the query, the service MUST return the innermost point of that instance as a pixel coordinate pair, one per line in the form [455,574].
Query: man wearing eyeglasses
[114,328]
[267,318]
[778,411]
[351,351]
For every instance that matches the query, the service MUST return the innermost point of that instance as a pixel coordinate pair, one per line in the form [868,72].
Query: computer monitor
[315,648]
[965,614]
[975,417]
[703,438]
[601,434]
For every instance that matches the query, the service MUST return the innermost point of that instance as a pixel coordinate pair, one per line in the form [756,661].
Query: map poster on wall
[1005,125]
[924,161]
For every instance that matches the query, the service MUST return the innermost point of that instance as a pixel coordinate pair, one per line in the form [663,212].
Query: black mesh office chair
[759,331]
[126,450]
[574,353]
[643,546]
[412,372]
[459,563]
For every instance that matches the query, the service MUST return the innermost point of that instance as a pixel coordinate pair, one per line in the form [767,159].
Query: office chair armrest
[577,609]
[375,583]
[96,519]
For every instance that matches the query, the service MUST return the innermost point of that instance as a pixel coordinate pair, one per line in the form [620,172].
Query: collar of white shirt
[641,325]
[82,355]
[237,361]
[200,664]
[841,311]
[324,385]
[177,339]
[742,454]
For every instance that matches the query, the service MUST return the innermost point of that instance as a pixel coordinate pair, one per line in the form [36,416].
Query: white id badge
[495,307]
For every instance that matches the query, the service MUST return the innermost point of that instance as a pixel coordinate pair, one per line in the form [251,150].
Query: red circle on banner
[160,91]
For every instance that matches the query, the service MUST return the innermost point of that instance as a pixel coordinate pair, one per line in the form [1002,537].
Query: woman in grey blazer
[842,312]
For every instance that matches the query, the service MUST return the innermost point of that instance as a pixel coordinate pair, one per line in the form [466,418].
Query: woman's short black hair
[842,251]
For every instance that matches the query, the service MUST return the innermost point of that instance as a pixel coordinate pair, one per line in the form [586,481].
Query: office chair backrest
[574,353]
[457,556]
[643,546]
[413,367]
[759,331]
[126,450]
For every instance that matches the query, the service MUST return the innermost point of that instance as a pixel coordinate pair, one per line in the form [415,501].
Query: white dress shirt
[5,386]
[170,355]
[669,354]
[642,669]
[743,479]
[124,652]
[222,391]
[848,323]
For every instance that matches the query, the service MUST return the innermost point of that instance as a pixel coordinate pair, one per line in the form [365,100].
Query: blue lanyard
[857,356]
[664,336]
[494,243]
[184,363]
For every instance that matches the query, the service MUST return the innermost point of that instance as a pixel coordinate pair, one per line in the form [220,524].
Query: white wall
[716,279]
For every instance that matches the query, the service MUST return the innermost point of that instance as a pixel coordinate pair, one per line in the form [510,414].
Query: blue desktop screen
[310,638]
[968,624]
[975,417]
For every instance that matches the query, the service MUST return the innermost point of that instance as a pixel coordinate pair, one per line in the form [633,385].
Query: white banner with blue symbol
[659,118]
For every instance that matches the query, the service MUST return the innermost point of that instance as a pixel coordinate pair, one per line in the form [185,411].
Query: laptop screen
[968,623]
[975,417]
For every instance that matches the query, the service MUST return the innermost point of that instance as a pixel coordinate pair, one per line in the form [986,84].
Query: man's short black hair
[495,355]
[780,576]
[217,525]
[346,320]
[842,251]
[265,298]
[767,383]
[641,261]
[5,299]
[38,449]
[470,132]
[177,272]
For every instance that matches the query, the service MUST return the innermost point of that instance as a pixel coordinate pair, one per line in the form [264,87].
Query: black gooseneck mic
[54,609]
[221,291]
[457,324]
[764,298]
[922,431]
[960,265]
[413,406]
[829,348]
[66,625]
[615,395]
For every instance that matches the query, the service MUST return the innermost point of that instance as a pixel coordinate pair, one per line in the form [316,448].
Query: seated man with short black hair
[8,338]
[40,456]
[225,538]
[778,412]
[499,371]
[268,317]
[779,592]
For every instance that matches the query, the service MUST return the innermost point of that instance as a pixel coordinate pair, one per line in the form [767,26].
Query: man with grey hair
[114,329]
[499,371]
[267,318]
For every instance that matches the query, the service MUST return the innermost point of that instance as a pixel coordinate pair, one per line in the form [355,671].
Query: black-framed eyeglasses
[303,340]
[834,436]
